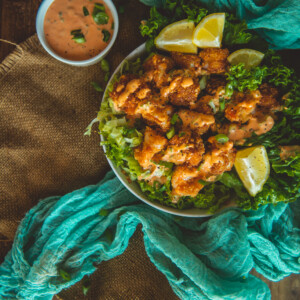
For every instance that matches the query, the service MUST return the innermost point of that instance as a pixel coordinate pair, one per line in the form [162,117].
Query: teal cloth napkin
[201,258]
[277,21]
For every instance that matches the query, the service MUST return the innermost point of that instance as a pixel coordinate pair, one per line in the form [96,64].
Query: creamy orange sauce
[237,133]
[288,151]
[63,16]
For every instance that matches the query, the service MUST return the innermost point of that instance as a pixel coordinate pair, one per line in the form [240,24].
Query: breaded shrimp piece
[207,104]
[191,62]
[185,182]
[153,143]
[157,78]
[156,113]
[214,61]
[156,68]
[218,160]
[195,121]
[216,85]
[183,148]
[183,89]
[242,106]
[128,92]
[269,96]
[158,62]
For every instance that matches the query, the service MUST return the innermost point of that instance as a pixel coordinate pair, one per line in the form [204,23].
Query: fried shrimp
[184,148]
[214,61]
[191,62]
[242,106]
[152,144]
[182,90]
[198,122]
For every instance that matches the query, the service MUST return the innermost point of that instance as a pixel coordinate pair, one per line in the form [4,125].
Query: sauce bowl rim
[39,24]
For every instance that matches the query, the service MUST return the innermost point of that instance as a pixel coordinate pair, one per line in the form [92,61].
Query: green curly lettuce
[241,79]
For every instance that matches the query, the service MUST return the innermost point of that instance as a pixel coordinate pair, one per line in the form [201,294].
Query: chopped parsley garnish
[85,11]
[106,35]
[99,15]
[78,36]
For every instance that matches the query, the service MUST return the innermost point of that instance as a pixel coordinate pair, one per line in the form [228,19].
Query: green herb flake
[181,134]
[203,182]
[222,104]
[97,86]
[65,275]
[85,11]
[76,31]
[222,138]
[79,39]
[99,15]
[104,65]
[99,7]
[112,25]
[86,284]
[78,36]
[104,212]
[170,133]
[106,35]
[174,119]
[106,76]
[101,18]
[121,9]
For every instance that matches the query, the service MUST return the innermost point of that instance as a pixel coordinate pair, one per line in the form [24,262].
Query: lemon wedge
[177,37]
[253,167]
[251,58]
[209,31]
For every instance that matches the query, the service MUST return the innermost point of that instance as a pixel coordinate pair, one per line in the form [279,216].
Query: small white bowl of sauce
[77,32]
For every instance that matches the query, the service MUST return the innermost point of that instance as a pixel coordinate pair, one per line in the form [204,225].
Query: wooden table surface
[17,22]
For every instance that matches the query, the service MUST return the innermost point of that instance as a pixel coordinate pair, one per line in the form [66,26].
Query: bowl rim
[39,24]
[192,212]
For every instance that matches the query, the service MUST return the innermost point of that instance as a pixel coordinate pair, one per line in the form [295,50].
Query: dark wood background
[17,22]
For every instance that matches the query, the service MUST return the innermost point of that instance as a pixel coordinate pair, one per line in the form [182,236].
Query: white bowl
[82,63]
[133,187]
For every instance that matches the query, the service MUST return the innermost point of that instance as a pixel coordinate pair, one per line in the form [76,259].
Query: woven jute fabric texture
[45,107]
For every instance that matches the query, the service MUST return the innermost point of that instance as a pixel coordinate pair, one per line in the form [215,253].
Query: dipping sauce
[78,29]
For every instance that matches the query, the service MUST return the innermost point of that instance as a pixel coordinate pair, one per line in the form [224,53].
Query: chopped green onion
[170,133]
[212,105]
[76,31]
[100,17]
[79,38]
[85,11]
[222,138]
[113,25]
[106,35]
[174,119]
[99,7]
[86,284]
[181,134]
[202,82]
[104,65]
[97,86]
[222,104]
[65,275]
[228,90]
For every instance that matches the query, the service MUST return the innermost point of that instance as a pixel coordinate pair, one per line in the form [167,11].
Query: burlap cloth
[45,107]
